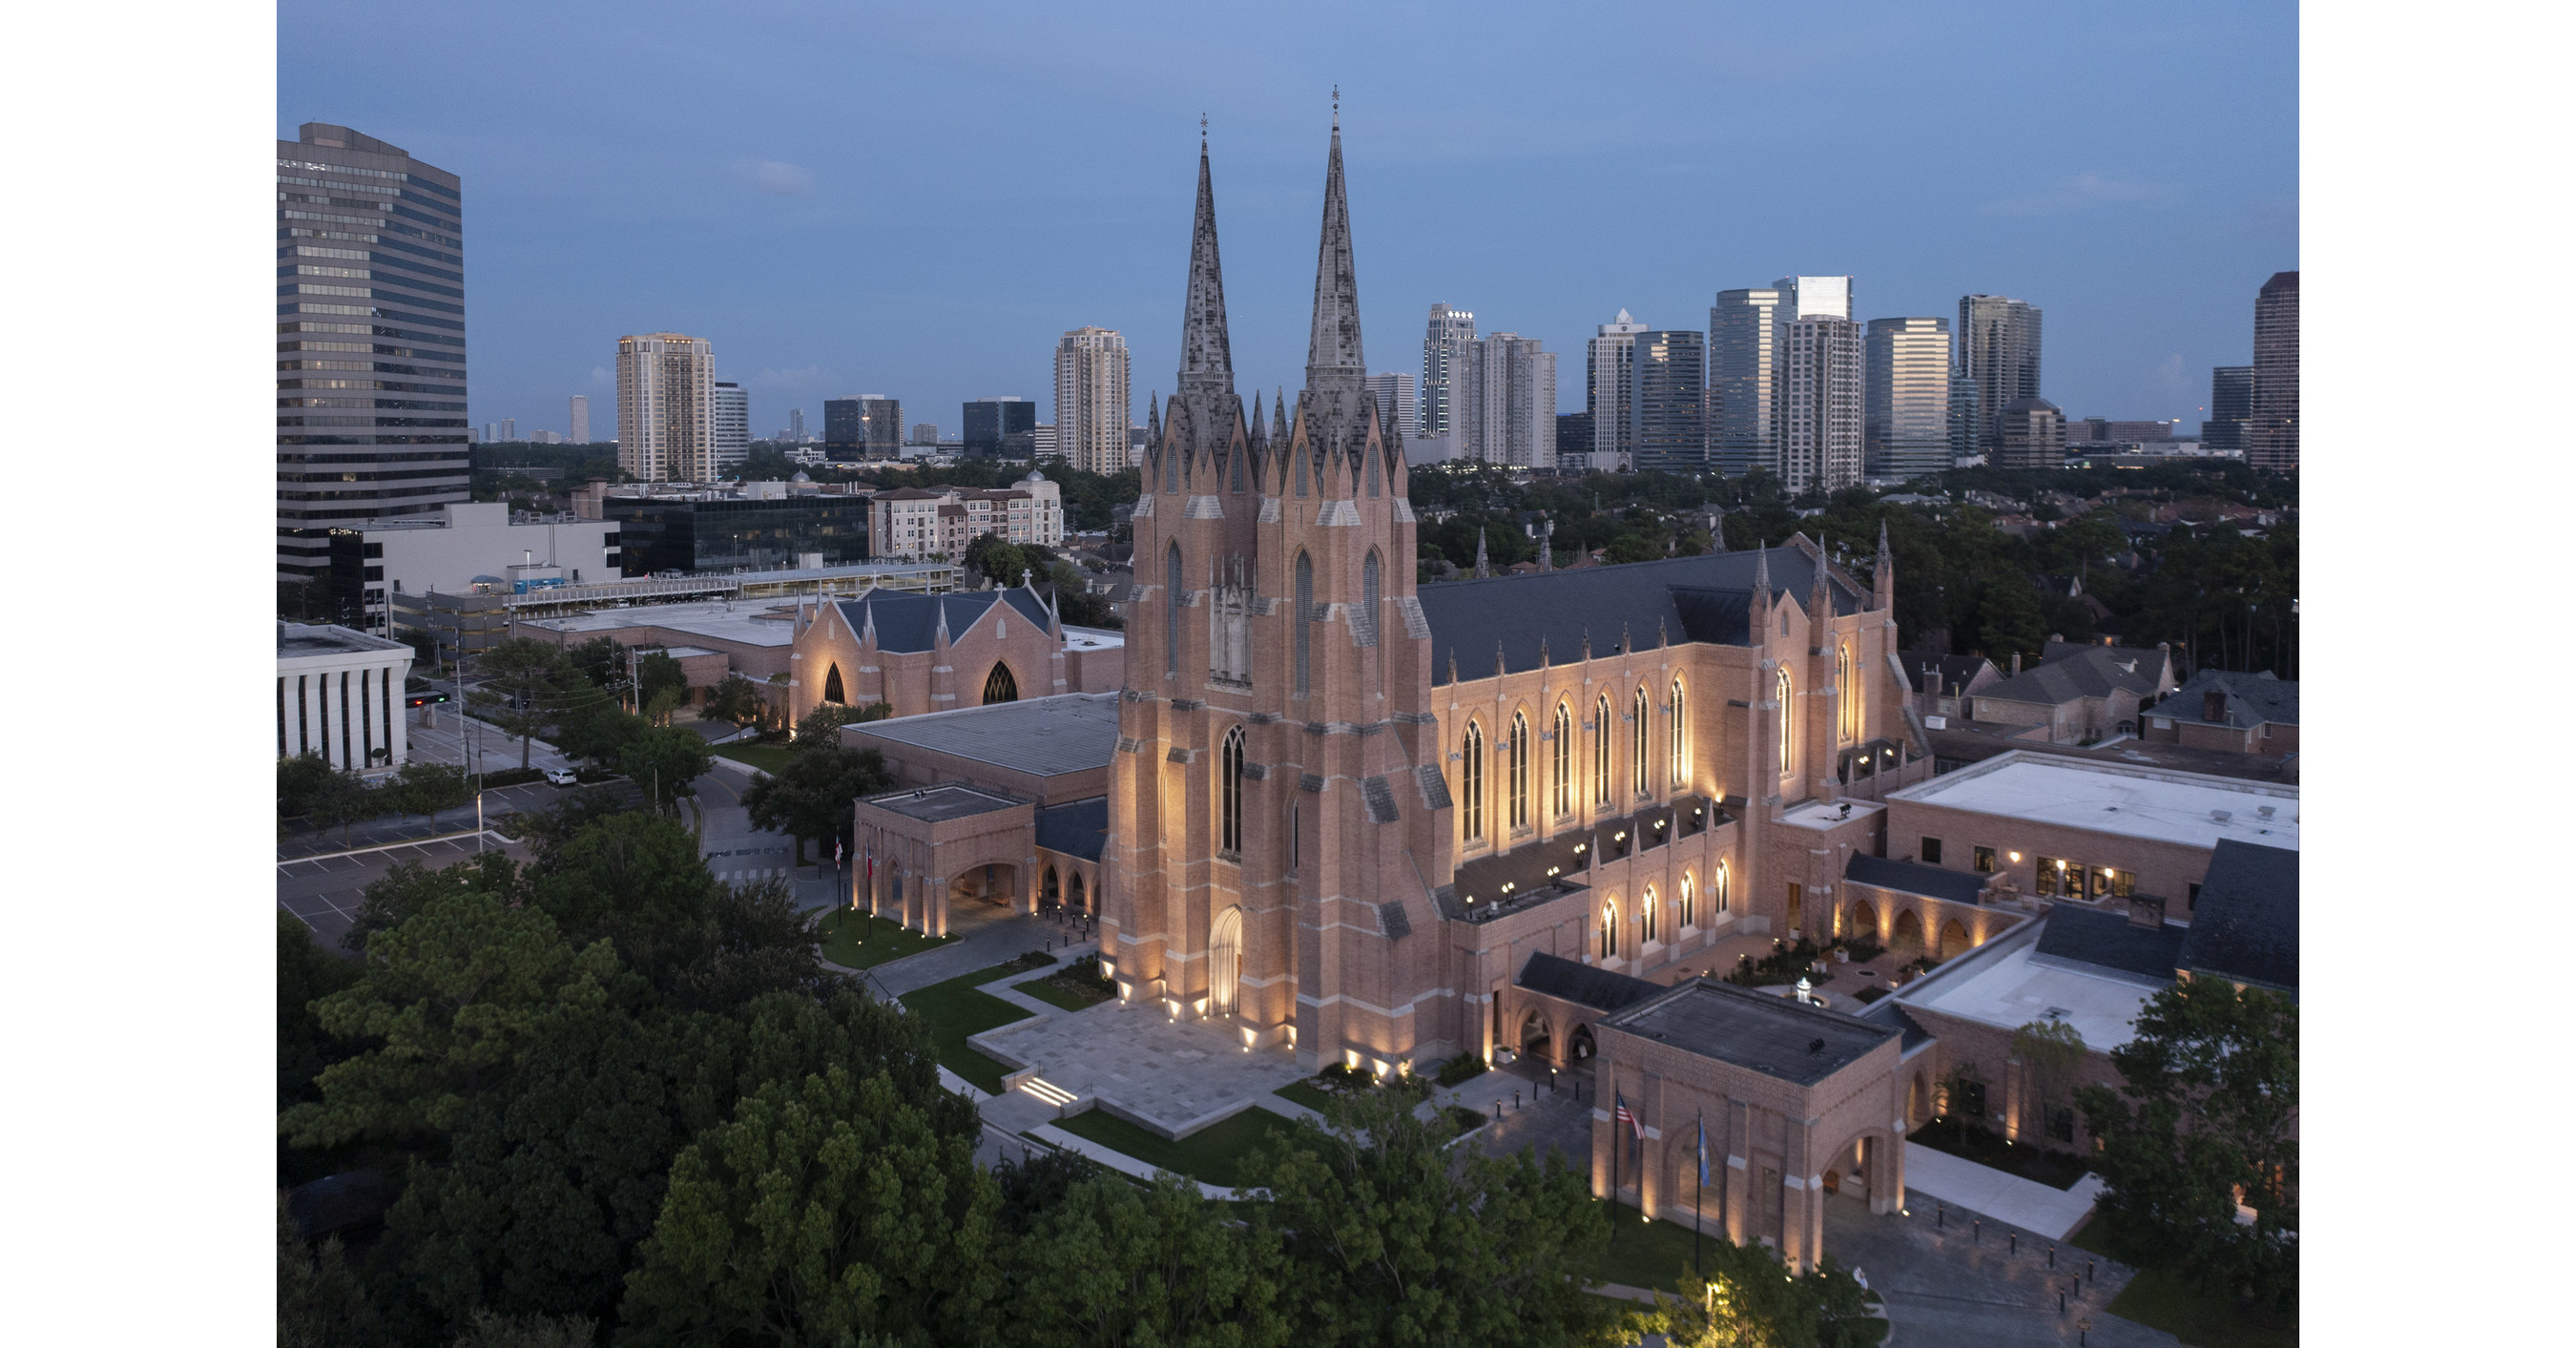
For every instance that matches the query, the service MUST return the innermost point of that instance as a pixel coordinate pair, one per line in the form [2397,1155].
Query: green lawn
[1306,1093]
[854,940]
[956,1010]
[769,758]
[1652,1255]
[1212,1155]
[2160,1299]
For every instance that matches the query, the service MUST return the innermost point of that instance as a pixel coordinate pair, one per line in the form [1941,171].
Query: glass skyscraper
[2231,406]
[1999,348]
[1448,352]
[1906,427]
[370,341]
[2272,436]
[1667,403]
[1743,378]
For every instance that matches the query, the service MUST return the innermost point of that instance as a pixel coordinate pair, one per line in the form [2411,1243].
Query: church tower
[1270,829]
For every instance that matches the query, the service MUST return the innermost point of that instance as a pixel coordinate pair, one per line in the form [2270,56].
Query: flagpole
[1696,1189]
[1614,1153]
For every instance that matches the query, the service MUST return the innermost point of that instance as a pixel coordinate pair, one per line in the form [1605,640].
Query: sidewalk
[2028,1204]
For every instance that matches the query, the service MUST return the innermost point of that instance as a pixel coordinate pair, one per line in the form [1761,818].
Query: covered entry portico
[931,848]
[1793,1097]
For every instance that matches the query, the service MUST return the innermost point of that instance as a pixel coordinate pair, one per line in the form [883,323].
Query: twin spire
[1333,358]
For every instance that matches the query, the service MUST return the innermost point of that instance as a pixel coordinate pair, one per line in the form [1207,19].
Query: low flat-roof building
[2060,827]
[468,547]
[340,695]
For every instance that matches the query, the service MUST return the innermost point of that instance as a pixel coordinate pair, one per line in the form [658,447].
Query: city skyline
[2138,223]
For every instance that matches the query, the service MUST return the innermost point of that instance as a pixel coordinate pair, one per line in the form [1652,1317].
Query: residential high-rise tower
[1821,411]
[1999,348]
[2272,436]
[1448,346]
[580,419]
[732,426]
[666,408]
[1395,401]
[1511,410]
[1091,399]
[1906,385]
[370,341]
[1609,368]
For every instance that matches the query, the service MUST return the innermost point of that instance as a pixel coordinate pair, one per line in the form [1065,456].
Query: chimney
[2016,664]
[2145,911]
[2213,705]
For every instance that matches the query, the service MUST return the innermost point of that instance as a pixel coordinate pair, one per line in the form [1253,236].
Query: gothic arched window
[1689,894]
[1372,473]
[832,687]
[1520,772]
[1371,583]
[1471,780]
[1562,762]
[1230,773]
[1610,929]
[1637,742]
[1847,704]
[1225,960]
[1723,898]
[1679,772]
[1302,618]
[1780,718]
[1301,471]
[1171,468]
[1601,751]
[999,686]
[1646,915]
[1172,612]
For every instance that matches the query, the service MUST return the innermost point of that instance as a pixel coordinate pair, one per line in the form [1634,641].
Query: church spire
[1482,569]
[1333,359]
[1207,364]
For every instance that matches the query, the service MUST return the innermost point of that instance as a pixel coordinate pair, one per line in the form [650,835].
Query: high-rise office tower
[1667,401]
[1511,402]
[1395,407]
[1967,415]
[1906,383]
[796,424]
[1573,441]
[1005,427]
[509,428]
[666,408]
[1448,345]
[1744,376]
[370,341]
[2231,409]
[2272,435]
[869,426]
[1999,348]
[2029,433]
[1092,401]
[732,425]
[1821,411]
[491,432]
[580,419]
[1609,366]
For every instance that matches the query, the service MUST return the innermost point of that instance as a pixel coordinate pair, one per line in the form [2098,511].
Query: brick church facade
[1344,815]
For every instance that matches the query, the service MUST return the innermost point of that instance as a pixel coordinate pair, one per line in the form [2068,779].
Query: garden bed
[1077,987]
[2056,1169]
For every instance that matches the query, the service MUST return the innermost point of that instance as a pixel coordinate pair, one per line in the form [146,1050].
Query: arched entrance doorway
[1080,900]
[1578,1045]
[1864,923]
[1954,939]
[1536,1041]
[1000,686]
[1049,895]
[995,884]
[1907,936]
[1225,960]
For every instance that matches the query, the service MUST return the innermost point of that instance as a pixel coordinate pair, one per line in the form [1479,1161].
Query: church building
[1344,816]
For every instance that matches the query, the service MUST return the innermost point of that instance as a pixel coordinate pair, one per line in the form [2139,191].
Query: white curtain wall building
[340,695]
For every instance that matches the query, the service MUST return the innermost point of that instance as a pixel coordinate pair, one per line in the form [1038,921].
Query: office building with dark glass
[869,426]
[1743,377]
[1999,348]
[1906,390]
[2231,409]
[370,341]
[1001,427]
[703,531]
[1667,401]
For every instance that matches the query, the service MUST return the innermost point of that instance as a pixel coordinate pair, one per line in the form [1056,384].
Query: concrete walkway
[1173,1077]
[1961,1183]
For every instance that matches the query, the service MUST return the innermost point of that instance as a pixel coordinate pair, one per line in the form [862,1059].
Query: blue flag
[1703,1153]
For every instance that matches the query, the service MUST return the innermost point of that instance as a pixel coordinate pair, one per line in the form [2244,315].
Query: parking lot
[326,891]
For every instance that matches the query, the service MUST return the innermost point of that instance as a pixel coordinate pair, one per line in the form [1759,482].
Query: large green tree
[1116,1264]
[666,763]
[811,797]
[1394,1239]
[523,682]
[833,1209]
[2206,1118]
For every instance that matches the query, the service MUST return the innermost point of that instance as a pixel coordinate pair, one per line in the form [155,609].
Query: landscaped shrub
[1035,959]
[1464,1067]
[1466,1120]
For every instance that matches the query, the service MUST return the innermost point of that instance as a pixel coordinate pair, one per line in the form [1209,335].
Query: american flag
[1624,1115]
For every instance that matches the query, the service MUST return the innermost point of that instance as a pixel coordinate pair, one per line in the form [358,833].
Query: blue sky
[918,199]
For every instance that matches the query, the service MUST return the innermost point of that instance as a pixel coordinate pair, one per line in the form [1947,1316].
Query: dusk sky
[917,200]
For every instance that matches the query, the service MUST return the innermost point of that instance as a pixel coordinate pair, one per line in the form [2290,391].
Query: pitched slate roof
[1954,670]
[2111,941]
[1705,599]
[2069,672]
[1582,984]
[1913,877]
[1077,830]
[2245,928]
[2252,699]
[910,622]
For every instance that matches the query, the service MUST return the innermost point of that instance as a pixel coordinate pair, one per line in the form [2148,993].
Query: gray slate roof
[1706,599]
[1042,736]
[1076,830]
[1583,984]
[1913,877]
[2245,928]
[2252,699]
[1954,670]
[2111,941]
[1779,1037]
[910,622]
[2068,671]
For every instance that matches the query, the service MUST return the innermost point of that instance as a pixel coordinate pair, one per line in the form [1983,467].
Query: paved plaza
[1172,1076]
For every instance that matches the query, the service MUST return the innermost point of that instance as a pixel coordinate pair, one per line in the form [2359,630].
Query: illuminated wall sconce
[2016,856]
